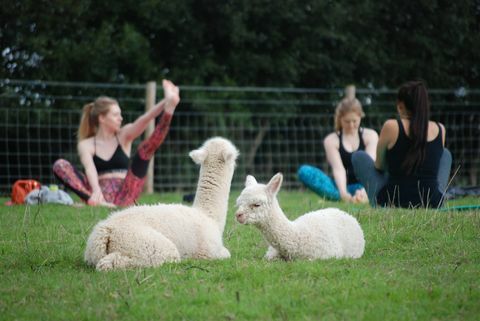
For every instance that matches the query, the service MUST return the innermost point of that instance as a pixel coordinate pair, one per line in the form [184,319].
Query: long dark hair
[414,96]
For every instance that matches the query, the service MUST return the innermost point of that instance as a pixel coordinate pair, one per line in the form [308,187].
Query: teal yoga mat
[461,208]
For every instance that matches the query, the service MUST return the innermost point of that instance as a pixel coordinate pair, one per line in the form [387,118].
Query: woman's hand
[347,197]
[360,196]
[97,199]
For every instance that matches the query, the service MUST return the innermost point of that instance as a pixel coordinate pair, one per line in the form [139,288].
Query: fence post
[150,93]
[350,91]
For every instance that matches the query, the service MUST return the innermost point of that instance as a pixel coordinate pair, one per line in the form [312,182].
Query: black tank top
[118,162]
[420,188]
[347,157]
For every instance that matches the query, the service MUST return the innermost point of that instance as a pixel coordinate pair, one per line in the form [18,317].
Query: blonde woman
[339,145]
[104,146]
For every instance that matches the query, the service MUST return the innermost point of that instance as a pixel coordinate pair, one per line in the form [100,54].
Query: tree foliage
[243,42]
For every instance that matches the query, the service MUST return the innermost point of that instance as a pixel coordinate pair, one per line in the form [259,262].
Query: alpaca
[149,235]
[322,234]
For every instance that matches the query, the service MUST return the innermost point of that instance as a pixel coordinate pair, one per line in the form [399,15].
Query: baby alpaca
[149,235]
[322,234]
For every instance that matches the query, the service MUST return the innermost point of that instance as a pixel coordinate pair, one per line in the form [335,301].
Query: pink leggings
[122,192]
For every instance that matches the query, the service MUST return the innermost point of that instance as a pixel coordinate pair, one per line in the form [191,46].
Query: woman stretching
[111,178]
[412,166]
[339,146]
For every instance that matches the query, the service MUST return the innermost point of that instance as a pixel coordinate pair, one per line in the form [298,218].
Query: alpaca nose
[240,217]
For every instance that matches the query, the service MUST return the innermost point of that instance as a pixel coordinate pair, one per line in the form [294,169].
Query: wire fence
[275,129]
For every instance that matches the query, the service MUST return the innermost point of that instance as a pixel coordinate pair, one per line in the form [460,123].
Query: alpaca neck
[212,193]
[277,228]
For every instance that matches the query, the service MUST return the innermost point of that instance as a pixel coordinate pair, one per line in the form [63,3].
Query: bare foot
[101,203]
[107,204]
[171,94]
[78,205]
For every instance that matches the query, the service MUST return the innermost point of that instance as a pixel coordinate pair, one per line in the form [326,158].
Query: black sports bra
[118,162]
[347,156]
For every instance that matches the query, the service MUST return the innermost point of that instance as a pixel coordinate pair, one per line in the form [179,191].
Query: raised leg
[135,179]
[223,253]
[272,254]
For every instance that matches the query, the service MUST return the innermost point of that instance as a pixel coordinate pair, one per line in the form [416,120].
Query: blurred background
[265,74]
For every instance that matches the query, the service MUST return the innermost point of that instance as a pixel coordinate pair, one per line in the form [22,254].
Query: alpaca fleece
[322,234]
[150,235]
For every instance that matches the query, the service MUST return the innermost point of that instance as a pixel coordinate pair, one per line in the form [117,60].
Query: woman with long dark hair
[412,166]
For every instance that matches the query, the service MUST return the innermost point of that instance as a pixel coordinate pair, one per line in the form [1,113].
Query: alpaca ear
[229,155]
[198,155]
[250,181]
[275,183]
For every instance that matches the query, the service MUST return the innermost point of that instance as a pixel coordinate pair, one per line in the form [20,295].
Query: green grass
[418,265]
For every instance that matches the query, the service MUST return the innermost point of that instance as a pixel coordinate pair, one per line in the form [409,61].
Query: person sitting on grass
[412,166]
[348,137]
[111,178]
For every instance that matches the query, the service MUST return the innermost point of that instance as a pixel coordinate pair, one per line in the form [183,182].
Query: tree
[284,43]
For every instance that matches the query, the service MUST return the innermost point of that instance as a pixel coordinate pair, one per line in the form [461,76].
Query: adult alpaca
[322,234]
[149,235]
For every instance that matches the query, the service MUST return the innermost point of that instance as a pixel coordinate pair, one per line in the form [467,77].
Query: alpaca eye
[255,205]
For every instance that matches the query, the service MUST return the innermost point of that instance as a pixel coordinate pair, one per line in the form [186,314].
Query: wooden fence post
[350,91]
[150,96]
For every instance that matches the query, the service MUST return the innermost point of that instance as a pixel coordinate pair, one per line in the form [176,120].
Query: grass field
[418,265]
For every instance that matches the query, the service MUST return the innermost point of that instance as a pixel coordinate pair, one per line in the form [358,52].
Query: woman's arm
[332,145]
[444,133]
[386,140]
[130,132]
[85,152]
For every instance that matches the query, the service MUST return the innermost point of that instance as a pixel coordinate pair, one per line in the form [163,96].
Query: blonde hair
[347,105]
[91,111]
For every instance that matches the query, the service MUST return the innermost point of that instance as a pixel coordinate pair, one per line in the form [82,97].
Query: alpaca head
[215,151]
[255,202]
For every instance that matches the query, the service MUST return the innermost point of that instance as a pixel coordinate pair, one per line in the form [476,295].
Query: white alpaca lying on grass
[149,235]
[322,234]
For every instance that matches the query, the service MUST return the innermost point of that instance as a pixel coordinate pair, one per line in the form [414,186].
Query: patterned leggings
[322,184]
[122,192]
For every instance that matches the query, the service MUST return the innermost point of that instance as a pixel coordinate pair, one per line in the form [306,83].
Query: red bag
[21,188]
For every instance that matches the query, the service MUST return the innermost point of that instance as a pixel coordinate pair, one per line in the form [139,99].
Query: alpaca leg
[272,254]
[223,253]
[113,261]
[143,248]
[214,250]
